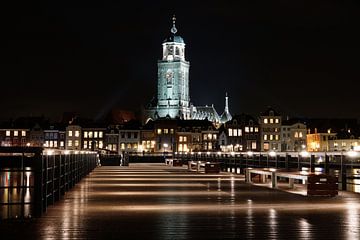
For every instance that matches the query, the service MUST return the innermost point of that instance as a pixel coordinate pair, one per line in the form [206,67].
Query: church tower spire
[226,116]
[173,29]
[226,102]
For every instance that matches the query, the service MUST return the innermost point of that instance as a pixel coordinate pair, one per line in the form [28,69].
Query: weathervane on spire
[173,29]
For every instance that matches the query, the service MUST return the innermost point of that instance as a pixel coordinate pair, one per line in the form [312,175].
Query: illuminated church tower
[173,98]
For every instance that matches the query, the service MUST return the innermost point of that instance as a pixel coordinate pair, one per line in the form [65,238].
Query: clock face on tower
[169,77]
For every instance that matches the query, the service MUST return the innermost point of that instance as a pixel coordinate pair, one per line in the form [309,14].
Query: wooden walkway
[154,201]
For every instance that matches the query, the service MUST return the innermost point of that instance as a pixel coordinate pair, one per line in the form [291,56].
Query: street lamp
[165,145]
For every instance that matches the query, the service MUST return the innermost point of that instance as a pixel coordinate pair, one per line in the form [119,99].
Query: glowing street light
[272,154]
[352,154]
[304,154]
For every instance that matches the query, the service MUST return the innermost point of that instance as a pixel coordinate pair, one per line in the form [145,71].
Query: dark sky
[300,57]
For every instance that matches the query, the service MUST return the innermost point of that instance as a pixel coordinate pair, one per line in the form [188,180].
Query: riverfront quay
[155,201]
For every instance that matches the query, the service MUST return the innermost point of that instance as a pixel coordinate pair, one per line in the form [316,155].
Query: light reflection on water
[273,232]
[305,229]
[16,188]
[352,221]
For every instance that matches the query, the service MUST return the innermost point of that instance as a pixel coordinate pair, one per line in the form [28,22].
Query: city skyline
[89,59]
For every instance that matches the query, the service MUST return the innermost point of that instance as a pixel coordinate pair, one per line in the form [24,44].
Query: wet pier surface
[154,201]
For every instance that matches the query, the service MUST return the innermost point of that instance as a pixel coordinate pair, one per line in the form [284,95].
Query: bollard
[273,180]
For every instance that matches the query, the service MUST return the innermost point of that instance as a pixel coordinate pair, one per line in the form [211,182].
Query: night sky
[300,57]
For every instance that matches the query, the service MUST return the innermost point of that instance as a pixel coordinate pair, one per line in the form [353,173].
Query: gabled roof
[270,112]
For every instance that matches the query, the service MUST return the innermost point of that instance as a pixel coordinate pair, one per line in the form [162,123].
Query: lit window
[343,144]
[265,120]
[46,143]
[101,144]
[256,129]
[51,144]
[247,129]
[171,131]
[181,139]
[77,133]
[55,143]
[101,134]
[335,144]
[276,137]
[8,133]
[90,134]
[235,132]
[16,133]
[205,137]
[23,133]
[209,136]
[271,137]
[266,146]
[159,131]
[230,132]
[69,143]
[296,135]
[166,131]
[85,145]
[253,145]
[185,139]
[122,146]
[180,147]
[76,143]
[251,129]
[271,120]
[300,134]
[62,144]
[214,136]
[276,120]
[95,134]
[85,134]
[265,137]
[70,133]
[210,146]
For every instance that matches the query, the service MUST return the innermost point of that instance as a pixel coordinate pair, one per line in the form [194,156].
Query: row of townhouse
[163,135]
[268,132]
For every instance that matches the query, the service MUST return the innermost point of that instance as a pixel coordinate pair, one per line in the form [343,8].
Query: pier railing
[338,164]
[31,178]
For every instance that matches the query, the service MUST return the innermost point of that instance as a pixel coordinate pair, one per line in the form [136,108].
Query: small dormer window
[271,113]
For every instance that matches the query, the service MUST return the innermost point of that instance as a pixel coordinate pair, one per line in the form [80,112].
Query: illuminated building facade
[293,136]
[270,125]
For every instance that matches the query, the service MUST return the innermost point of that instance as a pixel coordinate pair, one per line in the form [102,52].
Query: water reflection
[273,232]
[352,221]
[17,188]
[305,229]
[250,222]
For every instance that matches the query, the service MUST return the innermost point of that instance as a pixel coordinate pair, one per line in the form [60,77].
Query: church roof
[209,112]
[174,38]
[225,116]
